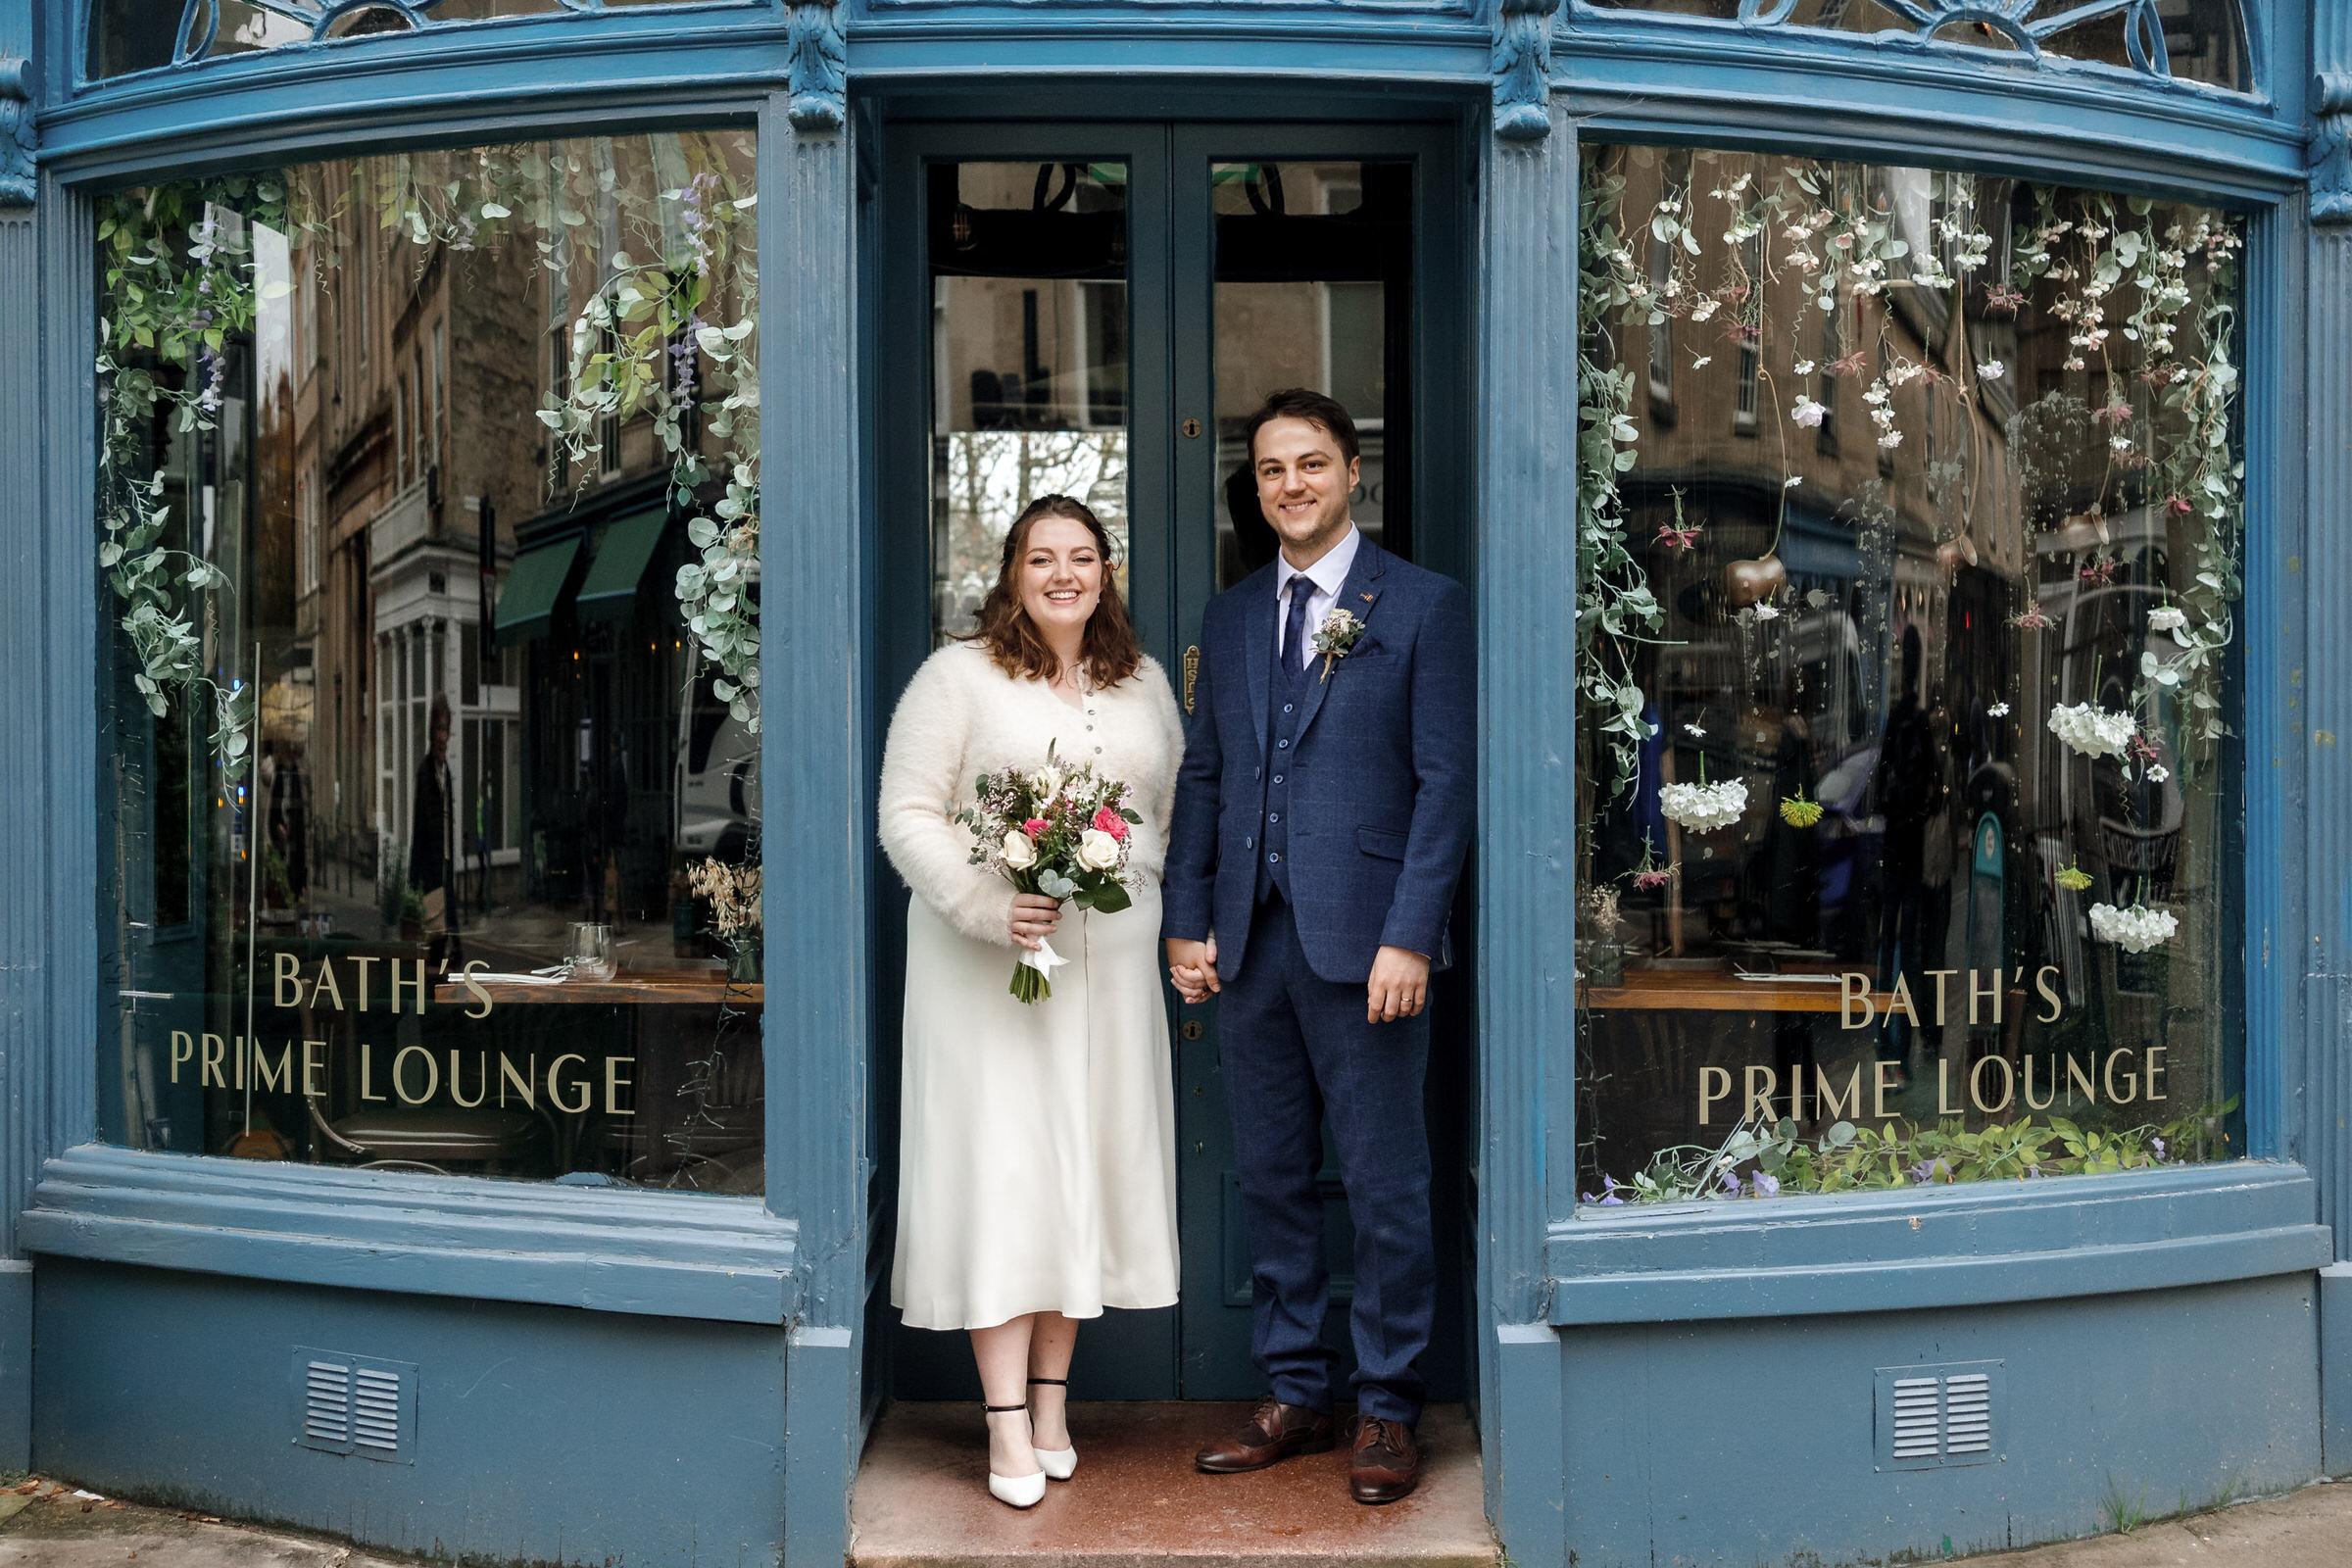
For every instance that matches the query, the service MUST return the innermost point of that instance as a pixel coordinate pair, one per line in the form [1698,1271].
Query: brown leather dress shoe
[1276,1432]
[1387,1464]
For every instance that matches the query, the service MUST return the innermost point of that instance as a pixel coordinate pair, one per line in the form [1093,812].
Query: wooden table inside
[1716,991]
[674,988]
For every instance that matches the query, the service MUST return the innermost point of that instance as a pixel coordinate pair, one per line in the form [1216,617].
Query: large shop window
[1910,507]
[428,678]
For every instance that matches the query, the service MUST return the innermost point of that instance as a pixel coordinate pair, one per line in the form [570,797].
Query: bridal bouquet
[1061,831]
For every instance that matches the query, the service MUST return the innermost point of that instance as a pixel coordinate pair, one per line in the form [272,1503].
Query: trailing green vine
[1614,606]
[179,285]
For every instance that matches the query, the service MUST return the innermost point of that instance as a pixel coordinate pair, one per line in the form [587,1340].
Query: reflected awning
[534,586]
[611,591]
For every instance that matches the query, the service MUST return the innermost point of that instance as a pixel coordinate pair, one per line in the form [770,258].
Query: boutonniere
[1338,634]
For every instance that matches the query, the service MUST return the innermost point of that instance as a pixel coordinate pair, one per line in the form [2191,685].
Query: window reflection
[1313,268]
[2192,41]
[467,879]
[1029,323]
[1934,491]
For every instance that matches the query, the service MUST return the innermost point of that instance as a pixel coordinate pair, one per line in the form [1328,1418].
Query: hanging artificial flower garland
[2164,282]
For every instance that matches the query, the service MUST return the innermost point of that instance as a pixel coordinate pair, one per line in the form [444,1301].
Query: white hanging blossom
[2168,617]
[2134,930]
[1807,412]
[1992,371]
[2091,731]
[1704,808]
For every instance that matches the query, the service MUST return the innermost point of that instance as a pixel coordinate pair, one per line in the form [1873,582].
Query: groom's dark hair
[1303,403]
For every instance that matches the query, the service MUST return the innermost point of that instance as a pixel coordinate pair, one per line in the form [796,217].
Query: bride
[1037,1174]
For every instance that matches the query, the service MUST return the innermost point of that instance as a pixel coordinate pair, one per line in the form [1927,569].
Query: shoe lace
[1387,1436]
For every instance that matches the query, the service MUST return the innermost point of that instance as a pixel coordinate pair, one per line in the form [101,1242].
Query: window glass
[1029,353]
[1907,778]
[1306,257]
[2192,41]
[432,813]
[128,36]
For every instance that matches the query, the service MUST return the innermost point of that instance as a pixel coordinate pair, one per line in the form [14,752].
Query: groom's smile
[1302,487]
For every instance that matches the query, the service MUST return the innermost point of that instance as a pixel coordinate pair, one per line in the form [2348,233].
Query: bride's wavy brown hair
[1108,654]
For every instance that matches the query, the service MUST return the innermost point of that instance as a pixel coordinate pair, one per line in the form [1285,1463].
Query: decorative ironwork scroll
[2201,40]
[129,36]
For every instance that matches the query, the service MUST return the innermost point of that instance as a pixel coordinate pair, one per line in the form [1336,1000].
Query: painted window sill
[604,1249]
[1960,1245]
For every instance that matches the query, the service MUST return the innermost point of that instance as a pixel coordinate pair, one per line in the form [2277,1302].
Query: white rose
[1019,852]
[2168,617]
[1807,412]
[1097,851]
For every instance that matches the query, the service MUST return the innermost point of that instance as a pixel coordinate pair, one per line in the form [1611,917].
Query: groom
[1322,813]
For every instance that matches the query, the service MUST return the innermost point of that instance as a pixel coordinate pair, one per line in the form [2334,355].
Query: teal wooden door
[1327,257]
[1094,308]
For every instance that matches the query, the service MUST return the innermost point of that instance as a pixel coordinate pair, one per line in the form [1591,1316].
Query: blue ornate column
[2325,767]
[1527,771]
[812,576]
[23,1036]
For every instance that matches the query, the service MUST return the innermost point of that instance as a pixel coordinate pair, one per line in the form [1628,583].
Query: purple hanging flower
[1765,1183]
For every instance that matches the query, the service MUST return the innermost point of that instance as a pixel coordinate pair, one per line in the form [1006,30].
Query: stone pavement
[45,1525]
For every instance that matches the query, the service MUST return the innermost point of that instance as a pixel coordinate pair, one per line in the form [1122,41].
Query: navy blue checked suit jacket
[1381,775]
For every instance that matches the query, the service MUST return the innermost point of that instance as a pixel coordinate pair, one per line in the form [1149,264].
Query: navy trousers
[1295,1046]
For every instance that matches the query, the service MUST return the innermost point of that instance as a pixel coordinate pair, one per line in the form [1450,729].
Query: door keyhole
[1191,430]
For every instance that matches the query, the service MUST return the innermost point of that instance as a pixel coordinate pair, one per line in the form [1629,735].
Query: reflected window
[1909,790]
[432,825]
[1313,272]
[2186,40]
[1029,362]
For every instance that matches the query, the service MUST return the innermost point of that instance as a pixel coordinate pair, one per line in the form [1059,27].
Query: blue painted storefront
[607,1375]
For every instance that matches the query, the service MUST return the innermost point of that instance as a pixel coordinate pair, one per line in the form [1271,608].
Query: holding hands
[1397,989]
[1193,967]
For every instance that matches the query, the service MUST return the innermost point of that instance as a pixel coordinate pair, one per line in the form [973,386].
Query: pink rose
[1111,822]
[1035,827]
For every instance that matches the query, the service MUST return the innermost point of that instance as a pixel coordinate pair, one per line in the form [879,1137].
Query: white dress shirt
[1324,580]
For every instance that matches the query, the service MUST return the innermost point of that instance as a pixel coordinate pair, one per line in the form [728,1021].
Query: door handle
[1192,675]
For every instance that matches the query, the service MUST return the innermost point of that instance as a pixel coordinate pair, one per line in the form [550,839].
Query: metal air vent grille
[1938,1415]
[355,1404]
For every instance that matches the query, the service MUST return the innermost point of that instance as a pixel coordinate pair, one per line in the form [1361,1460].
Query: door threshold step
[922,1499]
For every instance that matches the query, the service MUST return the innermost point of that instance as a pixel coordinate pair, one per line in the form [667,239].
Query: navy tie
[1293,633]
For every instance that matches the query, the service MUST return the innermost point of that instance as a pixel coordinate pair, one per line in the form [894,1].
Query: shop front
[469,460]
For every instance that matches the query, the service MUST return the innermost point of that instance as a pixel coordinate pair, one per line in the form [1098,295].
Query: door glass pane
[432,841]
[1029,356]
[1313,275]
[1909,793]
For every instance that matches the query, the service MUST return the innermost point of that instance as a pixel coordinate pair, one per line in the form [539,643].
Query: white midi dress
[1037,1165]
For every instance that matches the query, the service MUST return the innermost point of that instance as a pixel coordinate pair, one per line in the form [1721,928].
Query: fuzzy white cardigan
[962,717]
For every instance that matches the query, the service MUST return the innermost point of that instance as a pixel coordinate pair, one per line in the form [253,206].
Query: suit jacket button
[1281,745]
[1248,844]
[1286,707]
[1257,773]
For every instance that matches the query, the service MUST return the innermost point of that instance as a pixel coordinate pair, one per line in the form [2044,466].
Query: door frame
[1168,379]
